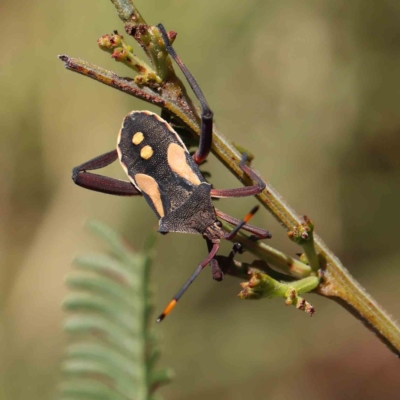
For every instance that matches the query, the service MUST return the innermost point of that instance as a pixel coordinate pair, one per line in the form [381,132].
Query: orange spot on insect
[148,185]
[137,138]
[178,163]
[146,152]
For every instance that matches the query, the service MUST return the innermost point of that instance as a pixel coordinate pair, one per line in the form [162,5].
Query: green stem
[262,285]
[305,285]
[285,263]
[303,235]
[311,254]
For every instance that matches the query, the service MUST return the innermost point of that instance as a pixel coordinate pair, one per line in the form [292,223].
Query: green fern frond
[113,353]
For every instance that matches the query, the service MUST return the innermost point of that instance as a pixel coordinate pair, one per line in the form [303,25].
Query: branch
[336,283]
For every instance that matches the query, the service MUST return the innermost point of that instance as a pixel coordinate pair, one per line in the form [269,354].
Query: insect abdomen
[157,162]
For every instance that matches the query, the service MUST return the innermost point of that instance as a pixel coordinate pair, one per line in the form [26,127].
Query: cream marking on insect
[123,165]
[168,126]
[177,162]
[149,185]
[146,152]
[137,138]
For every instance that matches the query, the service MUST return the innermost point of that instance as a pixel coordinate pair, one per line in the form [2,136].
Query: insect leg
[206,114]
[222,263]
[197,271]
[216,271]
[219,264]
[226,263]
[243,191]
[100,183]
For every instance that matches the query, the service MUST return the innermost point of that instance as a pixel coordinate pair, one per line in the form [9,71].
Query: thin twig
[111,79]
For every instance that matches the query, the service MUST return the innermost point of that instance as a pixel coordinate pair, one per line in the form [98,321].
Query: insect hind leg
[101,183]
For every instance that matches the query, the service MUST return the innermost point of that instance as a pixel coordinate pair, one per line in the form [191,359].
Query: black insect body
[160,168]
[159,165]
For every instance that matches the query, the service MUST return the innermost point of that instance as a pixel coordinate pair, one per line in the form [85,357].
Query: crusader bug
[160,168]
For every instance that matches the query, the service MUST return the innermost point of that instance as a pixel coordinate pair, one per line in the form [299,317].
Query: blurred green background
[311,87]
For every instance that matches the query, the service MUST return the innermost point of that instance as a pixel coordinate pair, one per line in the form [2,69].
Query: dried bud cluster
[303,232]
[122,52]
[110,42]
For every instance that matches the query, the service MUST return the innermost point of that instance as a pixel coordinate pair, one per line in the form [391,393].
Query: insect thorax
[195,215]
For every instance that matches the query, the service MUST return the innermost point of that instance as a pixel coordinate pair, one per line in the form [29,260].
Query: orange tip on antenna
[251,213]
[167,310]
[239,226]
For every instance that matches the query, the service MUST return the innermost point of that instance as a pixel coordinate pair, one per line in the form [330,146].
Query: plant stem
[337,283]
[303,235]
[340,286]
[128,12]
[285,263]
[148,37]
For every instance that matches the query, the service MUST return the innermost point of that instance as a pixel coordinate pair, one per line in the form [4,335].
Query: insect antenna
[206,114]
[244,221]
[195,274]
[192,82]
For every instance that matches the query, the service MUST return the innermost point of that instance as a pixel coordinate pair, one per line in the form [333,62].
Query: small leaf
[103,354]
[102,285]
[102,371]
[161,377]
[108,266]
[112,310]
[106,330]
[86,389]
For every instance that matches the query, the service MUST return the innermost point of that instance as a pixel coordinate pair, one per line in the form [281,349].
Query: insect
[161,169]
